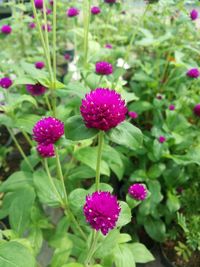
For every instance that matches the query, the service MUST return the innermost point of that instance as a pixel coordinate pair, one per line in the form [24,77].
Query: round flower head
[67,56]
[102,210]
[48,11]
[196,110]
[46,151]
[31,25]
[38,4]
[48,27]
[171,107]
[5,82]
[109,46]
[161,139]
[6,29]
[72,12]
[39,65]
[51,2]
[133,114]
[193,73]
[103,109]
[36,89]
[110,1]
[48,130]
[104,68]
[194,14]
[95,10]
[138,191]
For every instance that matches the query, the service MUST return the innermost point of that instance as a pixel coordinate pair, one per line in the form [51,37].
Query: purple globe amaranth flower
[36,89]
[5,82]
[103,109]
[161,139]
[72,12]
[39,65]
[104,68]
[138,191]
[48,130]
[6,29]
[110,1]
[67,56]
[48,11]
[51,2]
[171,107]
[133,114]
[196,110]
[102,211]
[95,10]
[47,26]
[193,73]
[38,4]
[46,151]
[31,25]
[194,14]
[109,46]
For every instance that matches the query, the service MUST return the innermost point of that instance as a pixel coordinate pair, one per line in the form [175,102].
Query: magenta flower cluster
[102,211]
[104,68]
[95,10]
[39,65]
[109,46]
[6,29]
[5,82]
[133,114]
[38,4]
[138,191]
[171,107]
[197,110]
[161,139]
[72,12]
[103,109]
[36,89]
[193,73]
[46,132]
[194,14]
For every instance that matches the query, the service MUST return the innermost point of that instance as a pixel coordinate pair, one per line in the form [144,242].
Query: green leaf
[15,101]
[155,229]
[140,253]
[76,130]
[124,238]
[81,172]
[6,120]
[45,190]
[156,170]
[123,256]
[102,187]
[77,89]
[125,214]
[36,239]
[173,202]
[13,254]
[19,215]
[126,134]
[140,106]
[73,264]
[77,198]
[26,122]
[15,181]
[88,156]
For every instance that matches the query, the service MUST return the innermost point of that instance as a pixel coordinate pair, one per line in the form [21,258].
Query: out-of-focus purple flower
[6,29]
[39,65]
[104,68]
[67,56]
[51,2]
[171,107]
[38,4]
[138,191]
[95,10]
[48,27]
[133,114]
[159,97]
[180,190]
[31,25]
[102,211]
[196,110]
[103,109]
[46,151]
[194,14]
[36,89]
[5,82]
[161,139]
[48,11]
[193,73]
[109,46]
[72,12]
[110,1]
[48,130]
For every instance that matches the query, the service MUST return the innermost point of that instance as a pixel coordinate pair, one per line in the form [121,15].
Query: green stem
[27,138]
[47,102]
[54,57]
[99,154]
[51,181]
[86,8]
[20,149]
[92,249]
